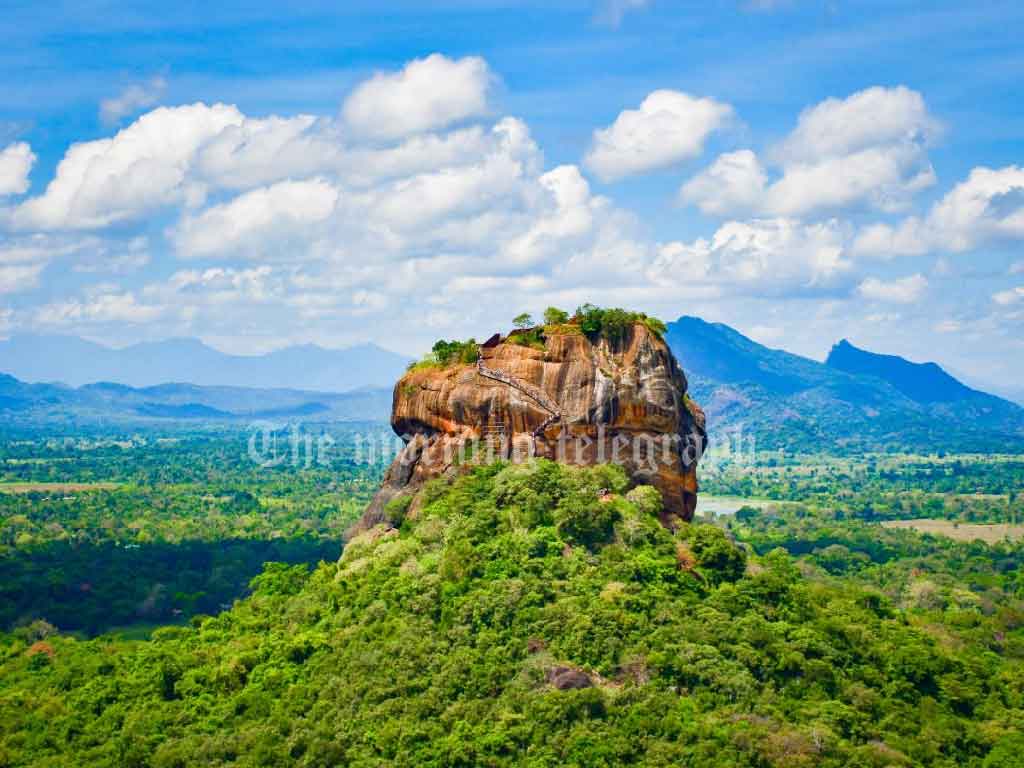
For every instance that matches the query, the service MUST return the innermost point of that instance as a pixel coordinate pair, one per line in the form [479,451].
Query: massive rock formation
[575,400]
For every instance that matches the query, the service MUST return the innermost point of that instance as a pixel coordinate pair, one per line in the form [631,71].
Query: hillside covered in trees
[523,617]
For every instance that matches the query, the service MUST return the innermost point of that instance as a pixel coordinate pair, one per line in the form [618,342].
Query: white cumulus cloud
[23,258]
[143,167]
[735,182]
[885,241]
[16,161]
[258,221]
[869,150]
[870,118]
[256,151]
[113,257]
[426,95]
[764,256]
[668,127]
[218,286]
[986,207]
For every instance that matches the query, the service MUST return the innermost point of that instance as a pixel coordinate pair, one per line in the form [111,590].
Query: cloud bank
[418,209]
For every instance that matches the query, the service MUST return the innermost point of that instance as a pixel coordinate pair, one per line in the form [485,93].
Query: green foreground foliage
[450,641]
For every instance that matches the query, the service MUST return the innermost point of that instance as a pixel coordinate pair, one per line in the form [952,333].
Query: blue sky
[801,170]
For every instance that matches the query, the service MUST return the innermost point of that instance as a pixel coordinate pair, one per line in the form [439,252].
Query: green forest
[109,531]
[519,615]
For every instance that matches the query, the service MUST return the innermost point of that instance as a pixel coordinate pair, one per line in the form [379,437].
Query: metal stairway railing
[529,390]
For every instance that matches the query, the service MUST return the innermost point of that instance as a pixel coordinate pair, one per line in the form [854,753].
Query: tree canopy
[521,616]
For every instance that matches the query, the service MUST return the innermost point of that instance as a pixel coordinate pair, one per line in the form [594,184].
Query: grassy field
[55,487]
[989,533]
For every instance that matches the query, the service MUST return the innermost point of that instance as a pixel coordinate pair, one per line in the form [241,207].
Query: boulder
[565,678]
[571,398]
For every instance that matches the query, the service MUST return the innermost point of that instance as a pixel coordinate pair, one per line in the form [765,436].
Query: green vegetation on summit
[594,322]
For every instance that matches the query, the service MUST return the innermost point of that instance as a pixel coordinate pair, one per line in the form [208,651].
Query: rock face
[576,400]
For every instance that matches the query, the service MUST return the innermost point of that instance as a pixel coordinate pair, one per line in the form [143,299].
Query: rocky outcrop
[565,678]
[569,398]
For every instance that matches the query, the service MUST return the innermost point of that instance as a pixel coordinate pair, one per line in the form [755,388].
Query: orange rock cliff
[578,400]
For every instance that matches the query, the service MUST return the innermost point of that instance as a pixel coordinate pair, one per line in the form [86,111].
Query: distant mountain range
[76,362]
[105,403]
[856,399]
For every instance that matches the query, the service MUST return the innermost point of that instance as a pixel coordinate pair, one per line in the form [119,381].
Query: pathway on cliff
[529,390]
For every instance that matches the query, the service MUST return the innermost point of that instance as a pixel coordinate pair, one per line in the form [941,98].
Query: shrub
[280,579]
[637,528]
[647,499]
[459,640]
[746,514]
[717,558]
[613,324]
[587,521]
[447,353]
[595,322]
[528,492]
[589,319]
[455,352]
[655,326]
[523,320]
[397,509]
[555,316]
[533,338]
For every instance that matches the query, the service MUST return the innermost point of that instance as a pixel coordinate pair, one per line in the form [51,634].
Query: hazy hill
[107,402]
[75,361]
[788,400]
[923,382]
